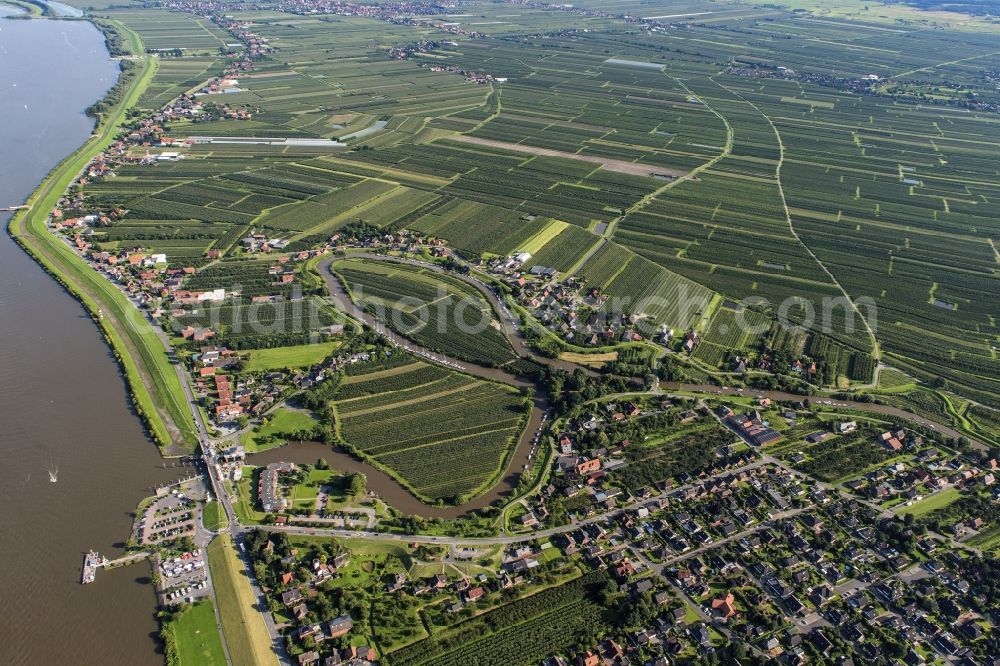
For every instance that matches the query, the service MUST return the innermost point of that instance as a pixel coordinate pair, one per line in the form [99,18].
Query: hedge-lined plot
[434,310]
[443,434]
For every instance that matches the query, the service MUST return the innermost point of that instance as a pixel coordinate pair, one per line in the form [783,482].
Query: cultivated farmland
[820,167]
[435,311]
[444,435]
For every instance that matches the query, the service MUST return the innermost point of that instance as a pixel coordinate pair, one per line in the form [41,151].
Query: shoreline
[146,368]
[29,10]
[149,373]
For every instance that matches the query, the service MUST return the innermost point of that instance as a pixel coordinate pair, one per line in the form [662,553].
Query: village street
[237,530]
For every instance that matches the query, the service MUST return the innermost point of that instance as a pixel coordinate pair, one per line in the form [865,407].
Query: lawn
[936,501]
[367,556]
[213,516]
[304,494]
[196,637]
[298,356]
[280,423]
[245,506]
[246,635]
[550,555]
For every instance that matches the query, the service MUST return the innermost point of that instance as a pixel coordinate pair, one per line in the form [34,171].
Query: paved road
[886,410]
[498,540]
[508,324]
[209,445]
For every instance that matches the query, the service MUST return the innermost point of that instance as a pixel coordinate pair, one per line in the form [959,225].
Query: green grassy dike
[154,384]
[32,8]
[191,636]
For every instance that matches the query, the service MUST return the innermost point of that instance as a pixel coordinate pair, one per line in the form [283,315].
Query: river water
[63,403]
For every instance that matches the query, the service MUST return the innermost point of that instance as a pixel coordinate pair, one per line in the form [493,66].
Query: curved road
[524,452]
[886,410]
[509,326]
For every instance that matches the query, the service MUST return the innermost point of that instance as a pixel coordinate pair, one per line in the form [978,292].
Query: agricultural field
[922,242]
[667,298]
[175,76]
[530,628]
[720,153]
[245,326]
[563,250]
[811,187]
[442,434]
[735,332]
[494,230]
[299,356]
[174,32]
[397,378]
[679,451]
[844,456]
[260,312]
[434,310]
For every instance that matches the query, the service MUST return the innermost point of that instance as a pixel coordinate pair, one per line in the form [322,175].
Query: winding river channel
[399,497]
[383,484]
[64,406]
[76,460]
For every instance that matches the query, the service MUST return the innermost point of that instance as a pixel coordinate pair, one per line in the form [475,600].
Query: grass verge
[192,636]
[242,624]
[154,384]
[214,517]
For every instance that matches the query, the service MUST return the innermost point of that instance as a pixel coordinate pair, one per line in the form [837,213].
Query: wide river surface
[63,403]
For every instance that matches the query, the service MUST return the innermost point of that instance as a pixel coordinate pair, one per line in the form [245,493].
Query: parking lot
[184,578]
[169,517]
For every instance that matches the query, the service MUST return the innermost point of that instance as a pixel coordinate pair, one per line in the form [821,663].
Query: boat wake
[52,467]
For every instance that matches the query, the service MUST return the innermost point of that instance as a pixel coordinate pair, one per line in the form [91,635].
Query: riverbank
[153,381]
[76,458]
[504,483]
[25,8]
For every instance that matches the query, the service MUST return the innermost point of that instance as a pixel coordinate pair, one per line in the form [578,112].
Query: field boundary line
[876,351]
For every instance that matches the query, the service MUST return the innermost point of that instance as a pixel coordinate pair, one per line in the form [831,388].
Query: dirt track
[620,166]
